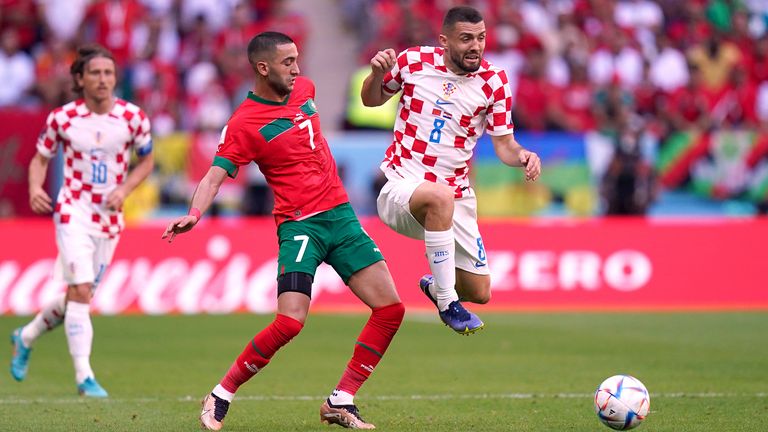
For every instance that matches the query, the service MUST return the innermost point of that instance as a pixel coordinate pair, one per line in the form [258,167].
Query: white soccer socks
[50,317]
[340,397]
[77,323]
[441,253]
[223,393]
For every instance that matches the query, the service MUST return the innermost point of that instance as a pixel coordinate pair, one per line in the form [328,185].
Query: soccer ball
[622,402]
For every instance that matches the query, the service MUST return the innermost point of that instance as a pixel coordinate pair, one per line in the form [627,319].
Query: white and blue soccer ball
[622,402]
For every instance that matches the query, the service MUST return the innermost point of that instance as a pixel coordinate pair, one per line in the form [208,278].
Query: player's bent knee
[479,294]
[435,198]
[483,297]
[80,293]
[295,282]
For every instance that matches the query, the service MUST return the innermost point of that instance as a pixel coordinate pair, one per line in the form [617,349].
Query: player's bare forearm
[139,173]
[208,188]
[38,168]
[202,198]
[372,93]
[507,149]
[511,153]
[39,201]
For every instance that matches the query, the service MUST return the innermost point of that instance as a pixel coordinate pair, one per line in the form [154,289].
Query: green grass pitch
[524,372]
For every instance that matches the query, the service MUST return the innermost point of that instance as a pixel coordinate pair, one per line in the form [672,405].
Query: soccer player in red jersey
[278,127]
[450,95]
[97,133]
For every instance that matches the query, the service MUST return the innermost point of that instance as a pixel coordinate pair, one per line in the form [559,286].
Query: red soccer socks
[260,350]
[371,345]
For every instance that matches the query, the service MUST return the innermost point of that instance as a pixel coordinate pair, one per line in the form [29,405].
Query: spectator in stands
[629,185]
[532,99]
[736,105]
[216,14]
[758,61]
[611,106]
[669,69]
[617,58]
[690,27]
[689,107]
[740,34]
[571,106]
[63,19]
[286,19]
[715,59]
[52,79]
[638,15]
[112,22]
[573,46]
[231,42]
[155,39]
[198,44]
[17,70]
[20,15]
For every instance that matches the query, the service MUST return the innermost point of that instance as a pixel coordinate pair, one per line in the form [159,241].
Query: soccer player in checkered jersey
[449,96]
[97,133]
[278,128]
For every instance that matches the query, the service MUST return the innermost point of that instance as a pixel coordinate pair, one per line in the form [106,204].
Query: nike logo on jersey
[441,101]
[479,264]
[439,261]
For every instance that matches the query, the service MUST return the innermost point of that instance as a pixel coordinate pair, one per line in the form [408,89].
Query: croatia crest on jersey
[448,88]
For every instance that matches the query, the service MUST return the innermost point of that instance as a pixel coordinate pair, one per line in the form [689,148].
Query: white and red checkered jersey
[96,151]
[441,115]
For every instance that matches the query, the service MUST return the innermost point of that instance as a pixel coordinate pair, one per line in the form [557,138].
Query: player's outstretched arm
[372,92]
[201,200]
[137,175]
[39,200]
[513,154]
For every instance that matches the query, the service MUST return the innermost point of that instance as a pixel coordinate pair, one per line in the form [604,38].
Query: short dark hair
[86,53]
[461,14]
[266,42]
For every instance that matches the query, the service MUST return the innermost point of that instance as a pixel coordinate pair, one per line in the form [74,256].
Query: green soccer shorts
[334,236]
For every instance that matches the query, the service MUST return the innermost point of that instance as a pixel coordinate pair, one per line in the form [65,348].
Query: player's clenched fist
[383,61]
[179,225]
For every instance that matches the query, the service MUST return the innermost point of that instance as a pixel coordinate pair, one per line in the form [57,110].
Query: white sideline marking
[77,399]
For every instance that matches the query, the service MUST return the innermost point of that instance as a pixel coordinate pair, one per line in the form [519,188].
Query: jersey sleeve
[48,140]
[393,80]
[234,150]
[142,135]
[499,114]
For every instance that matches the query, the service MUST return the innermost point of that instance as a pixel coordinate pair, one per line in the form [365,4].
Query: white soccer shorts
[394,210]
[83,258]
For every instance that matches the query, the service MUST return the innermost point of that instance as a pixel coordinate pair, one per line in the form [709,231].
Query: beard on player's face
[468,61]
[281,84]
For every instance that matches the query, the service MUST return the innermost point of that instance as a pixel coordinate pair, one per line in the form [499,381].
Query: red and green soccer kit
[315,221]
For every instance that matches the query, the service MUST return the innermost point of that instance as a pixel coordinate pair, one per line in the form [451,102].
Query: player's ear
[443,39]
[262,68]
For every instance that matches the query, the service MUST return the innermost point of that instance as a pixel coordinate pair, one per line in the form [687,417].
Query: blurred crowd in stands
[180,60]
[621,67]
[626,68]
[579,65]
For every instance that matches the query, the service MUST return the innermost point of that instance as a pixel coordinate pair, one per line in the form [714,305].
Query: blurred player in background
[450,95]
[97,132]
[278,127]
